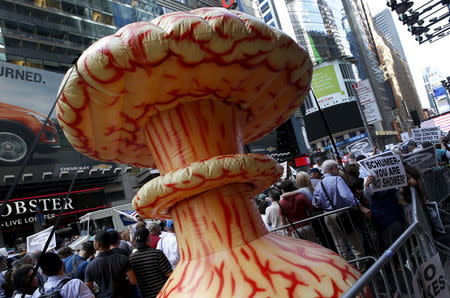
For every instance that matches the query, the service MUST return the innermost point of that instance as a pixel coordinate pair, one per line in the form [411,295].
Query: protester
[354,182]
[386,213]
[65,252]
[262,203]
[75,265]
[53,268]
[109,271]
[412,147]
[315,176]
[139,222]
[303,182]
[331,194]
[150,265]
[155,231]
[294,207]
[115,244]
[274,219]
[22,283]
[168,244]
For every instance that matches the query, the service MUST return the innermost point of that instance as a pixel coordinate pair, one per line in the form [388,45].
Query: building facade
[408,109]
[50,34]
[384,23]
[438,96]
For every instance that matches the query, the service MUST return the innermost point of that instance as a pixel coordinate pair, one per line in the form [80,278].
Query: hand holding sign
[387,171]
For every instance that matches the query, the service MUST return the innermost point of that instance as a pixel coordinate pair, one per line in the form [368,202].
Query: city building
[407,109]
[384,23]
[438,96]
[51,34]
[359,22]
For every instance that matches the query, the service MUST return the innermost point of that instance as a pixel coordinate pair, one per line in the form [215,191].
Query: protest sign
[37,241]
[421,160]
[405,136]
[428,134]
[387,169]
[363,147]
[430,280]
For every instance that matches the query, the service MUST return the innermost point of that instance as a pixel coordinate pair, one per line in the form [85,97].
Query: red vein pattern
[184,93]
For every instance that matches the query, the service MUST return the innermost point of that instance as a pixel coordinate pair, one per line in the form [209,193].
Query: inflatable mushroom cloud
[184,93]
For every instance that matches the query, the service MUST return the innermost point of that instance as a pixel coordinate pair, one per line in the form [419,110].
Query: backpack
[56,292]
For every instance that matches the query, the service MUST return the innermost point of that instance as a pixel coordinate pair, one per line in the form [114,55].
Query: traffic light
[418,30]
[401,7]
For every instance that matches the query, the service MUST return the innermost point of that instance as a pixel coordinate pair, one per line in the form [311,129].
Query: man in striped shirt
[150,265]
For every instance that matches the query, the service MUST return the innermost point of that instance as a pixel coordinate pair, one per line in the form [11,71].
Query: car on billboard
[18,129]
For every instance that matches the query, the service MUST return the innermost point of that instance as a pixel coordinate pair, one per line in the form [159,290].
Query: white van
[111,218]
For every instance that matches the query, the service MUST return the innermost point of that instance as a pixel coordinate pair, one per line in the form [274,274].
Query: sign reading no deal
[388,171]
[421,160]
[429,134]
[37,241]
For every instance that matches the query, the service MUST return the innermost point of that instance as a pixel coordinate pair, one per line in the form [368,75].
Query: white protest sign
[387,169]
[430,281]
[421,160]
[37,241]
[363,147]
[428,134]
[405,136]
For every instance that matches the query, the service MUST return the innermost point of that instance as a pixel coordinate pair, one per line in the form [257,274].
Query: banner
[421,160]
[405,136]
[37,241]
[387,169]
[27,95]
[428,134]
[363,147]
[368,101]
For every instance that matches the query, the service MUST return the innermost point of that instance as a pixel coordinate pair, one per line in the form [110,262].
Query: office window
[268,17]
[264,8]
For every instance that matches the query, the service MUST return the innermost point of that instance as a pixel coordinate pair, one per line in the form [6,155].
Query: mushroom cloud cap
[208,54]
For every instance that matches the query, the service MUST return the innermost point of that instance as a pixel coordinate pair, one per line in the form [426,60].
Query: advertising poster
[387,169]
[421,160]
[368,102]
[328,87]
[363,147]
[27,95]
[428,134]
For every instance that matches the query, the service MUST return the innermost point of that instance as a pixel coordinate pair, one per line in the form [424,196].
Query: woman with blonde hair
[303,182]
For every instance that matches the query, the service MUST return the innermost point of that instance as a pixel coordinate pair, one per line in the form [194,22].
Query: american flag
[131,214]
[442,121]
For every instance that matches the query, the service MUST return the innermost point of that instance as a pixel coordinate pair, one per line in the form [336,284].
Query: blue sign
[439,91]
[348,141]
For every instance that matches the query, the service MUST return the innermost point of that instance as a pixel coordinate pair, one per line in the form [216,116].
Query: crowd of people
[137,262]
[131,264]
[373,219]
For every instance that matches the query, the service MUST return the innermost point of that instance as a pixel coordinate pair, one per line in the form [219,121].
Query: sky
[419,57]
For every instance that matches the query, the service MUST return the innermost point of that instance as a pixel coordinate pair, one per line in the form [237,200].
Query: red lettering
[228,3]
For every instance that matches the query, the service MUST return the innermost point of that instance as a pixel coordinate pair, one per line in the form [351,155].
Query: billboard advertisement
[328,86]
[26,98]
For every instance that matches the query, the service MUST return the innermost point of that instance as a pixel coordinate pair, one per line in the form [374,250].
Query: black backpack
[56,292]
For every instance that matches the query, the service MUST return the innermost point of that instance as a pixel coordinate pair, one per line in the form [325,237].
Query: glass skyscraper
[49,34]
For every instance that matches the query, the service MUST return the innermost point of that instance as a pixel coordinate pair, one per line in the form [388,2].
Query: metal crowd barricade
[436,182]
[394,273]
[315,229]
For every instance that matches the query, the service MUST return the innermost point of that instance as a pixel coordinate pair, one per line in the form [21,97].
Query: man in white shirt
[168,244]
[53,268]
[273,216]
